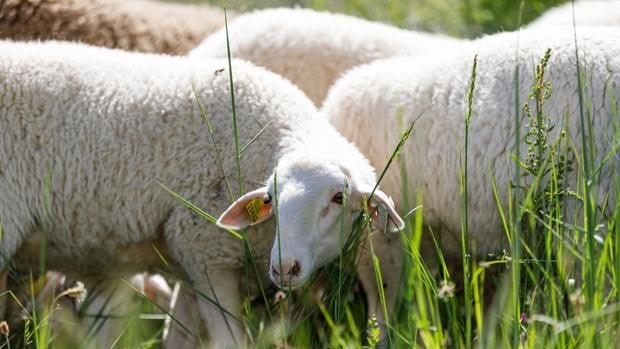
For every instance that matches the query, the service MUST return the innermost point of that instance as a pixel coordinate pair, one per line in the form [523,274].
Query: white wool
[86,133]
[313,48]
[367,103]
[587,12]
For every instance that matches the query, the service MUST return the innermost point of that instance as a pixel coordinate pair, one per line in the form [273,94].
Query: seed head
[77,292]
[446,290]
[4,328]
[577,300]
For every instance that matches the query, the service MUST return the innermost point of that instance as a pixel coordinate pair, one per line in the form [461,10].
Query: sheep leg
[186,312]
[14,240]
[221,308]
[109,308]
[387,249]
[184,327]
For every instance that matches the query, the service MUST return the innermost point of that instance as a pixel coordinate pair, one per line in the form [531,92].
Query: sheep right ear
[252,208]
[383,213]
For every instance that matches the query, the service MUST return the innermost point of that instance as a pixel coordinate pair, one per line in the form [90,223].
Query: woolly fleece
[367,103]
[313,48]
[134,25]
[92,130]
[587,12]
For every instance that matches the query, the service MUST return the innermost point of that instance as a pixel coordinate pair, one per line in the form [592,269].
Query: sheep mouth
[285,286]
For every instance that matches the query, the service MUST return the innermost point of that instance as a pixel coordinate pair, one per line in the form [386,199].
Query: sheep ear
[383,214]
[252,208]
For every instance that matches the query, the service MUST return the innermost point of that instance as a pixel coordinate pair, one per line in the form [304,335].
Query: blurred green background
[464,18]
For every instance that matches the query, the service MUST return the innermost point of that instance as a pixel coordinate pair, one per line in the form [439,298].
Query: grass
[557,287]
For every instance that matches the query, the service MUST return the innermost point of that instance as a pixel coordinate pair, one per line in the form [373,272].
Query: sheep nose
[286,272]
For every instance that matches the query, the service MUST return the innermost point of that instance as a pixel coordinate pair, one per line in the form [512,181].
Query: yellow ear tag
[253,207]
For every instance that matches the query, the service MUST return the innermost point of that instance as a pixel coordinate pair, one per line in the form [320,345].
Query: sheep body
[313,48]
[101,125]
[591,12]
[367,103]
[97,128]
[137,25]
[57,103]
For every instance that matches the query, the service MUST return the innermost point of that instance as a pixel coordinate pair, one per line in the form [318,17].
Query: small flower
[4,328]
[524,318]
[77,292]
[577,300]
[373,332]
[571,282]
[446,289]
[598,238]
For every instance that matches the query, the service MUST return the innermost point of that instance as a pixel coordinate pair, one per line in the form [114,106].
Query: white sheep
[313,48]
[367,103]
[136,25]
[590,12]
[86,133]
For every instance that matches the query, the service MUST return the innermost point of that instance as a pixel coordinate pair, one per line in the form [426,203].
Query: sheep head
[315,203]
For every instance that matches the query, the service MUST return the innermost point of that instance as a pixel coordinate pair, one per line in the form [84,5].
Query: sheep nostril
[274,271]
[295,268]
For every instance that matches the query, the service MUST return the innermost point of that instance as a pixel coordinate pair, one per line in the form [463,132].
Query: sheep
[366,104]
[98,129]
[137,25]
[591,12]
[313,48]
[132,25]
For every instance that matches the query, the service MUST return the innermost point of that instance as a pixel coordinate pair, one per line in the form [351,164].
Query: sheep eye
[337,198]
[267,200]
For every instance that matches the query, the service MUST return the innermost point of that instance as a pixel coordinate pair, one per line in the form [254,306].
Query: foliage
[463,18]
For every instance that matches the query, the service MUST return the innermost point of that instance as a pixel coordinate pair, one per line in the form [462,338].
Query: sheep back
[313,48]
[94,129]
[137,25]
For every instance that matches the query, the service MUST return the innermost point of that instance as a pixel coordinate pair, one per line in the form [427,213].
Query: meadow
[556,286]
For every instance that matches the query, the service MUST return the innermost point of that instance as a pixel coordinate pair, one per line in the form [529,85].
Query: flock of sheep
[89,137]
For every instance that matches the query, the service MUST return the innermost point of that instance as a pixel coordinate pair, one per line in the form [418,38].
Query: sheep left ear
[383,214]
[252,208]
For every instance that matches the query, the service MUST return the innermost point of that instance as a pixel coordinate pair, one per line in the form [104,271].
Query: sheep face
[315,203]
